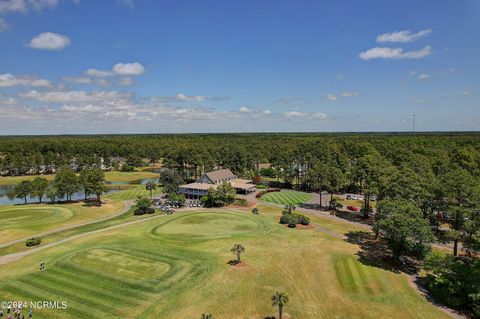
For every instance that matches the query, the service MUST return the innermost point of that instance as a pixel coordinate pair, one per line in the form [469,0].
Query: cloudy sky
[148,66]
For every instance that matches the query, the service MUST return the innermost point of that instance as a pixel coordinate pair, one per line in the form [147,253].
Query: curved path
[126,207]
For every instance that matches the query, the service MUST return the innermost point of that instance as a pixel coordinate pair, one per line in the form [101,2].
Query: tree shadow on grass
[233,262]
[375,253]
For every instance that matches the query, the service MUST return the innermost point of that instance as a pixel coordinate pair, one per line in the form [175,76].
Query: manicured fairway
[116,176]
[27,220]
[286,197]
[176,267]
[132,192]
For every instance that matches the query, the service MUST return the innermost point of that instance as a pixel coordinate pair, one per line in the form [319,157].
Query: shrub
[304,220]
[34,241]
[261,186]
[140,211]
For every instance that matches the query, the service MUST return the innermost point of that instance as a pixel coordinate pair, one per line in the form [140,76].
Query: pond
[4,200]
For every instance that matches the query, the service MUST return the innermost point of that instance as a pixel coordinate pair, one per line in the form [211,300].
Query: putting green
[120,264]
[208,225]
[286,197]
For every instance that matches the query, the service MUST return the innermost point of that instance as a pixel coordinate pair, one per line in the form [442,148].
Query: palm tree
[207,316]
[150,186]
[279,299]
[237,249]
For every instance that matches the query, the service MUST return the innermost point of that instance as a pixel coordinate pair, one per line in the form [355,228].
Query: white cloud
[49,41]
[340,76]
[295,114]
[394,53]
[245,109]
[267,112]
[125,81]
[423,76]
[98,73]
[348,94]
[402,36]
[12,6]
[417,100]
[331,97]
[467,92]
[341,95]
[78,80]
[23,6]
[73,96]
[133,68]
[10,80]
[189,98]
[321,116]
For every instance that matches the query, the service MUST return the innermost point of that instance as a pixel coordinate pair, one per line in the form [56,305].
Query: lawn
[132,192]
[176,267]
[125,177]
[286,197]
[12,180]
[21,221]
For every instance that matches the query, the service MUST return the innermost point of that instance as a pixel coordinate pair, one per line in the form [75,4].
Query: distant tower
[413,123]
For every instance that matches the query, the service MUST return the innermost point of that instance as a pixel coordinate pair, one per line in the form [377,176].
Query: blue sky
[145,66]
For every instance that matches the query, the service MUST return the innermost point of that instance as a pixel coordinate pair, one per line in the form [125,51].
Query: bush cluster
[34,241]
[270,190]
[140,211]
[293,219]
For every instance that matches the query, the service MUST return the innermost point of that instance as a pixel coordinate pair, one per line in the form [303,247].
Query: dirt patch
[237,265]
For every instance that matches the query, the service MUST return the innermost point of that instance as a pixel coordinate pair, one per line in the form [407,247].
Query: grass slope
[286,197]
[176,267]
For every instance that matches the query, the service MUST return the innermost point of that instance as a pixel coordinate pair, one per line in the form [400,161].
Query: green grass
[117,176]
[27,220]
[12,180]
[176,267]
[132,192]
[286,197]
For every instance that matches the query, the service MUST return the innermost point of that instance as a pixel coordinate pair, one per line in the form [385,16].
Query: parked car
[353,208]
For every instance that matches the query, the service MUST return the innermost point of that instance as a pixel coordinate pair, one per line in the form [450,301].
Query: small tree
[39,186]
[51,192]
[238,249]
[335,204]
[151,186]
[223,195]
[279,299]
[22,190]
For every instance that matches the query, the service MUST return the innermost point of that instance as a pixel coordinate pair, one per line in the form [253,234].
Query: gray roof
[219,175]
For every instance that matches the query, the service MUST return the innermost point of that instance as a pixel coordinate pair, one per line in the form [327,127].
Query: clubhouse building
[212,180]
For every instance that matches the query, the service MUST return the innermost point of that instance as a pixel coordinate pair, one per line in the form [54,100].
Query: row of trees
[66,183]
